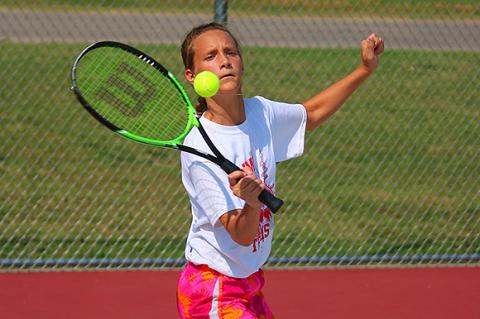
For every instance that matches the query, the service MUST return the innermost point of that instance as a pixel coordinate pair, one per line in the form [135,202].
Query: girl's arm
[242,224]
[323,105]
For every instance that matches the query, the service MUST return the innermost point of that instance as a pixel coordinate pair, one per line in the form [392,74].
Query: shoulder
[192,137]
[258,101]
[195,140]
[259,105]
[268,103]
[271,107]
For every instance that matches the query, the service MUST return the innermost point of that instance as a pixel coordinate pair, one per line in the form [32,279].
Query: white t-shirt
[272,132]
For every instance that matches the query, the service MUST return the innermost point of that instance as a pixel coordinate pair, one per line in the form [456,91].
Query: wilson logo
[128,90]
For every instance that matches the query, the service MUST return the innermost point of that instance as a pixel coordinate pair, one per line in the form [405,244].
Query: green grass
[418,9]
[394,172]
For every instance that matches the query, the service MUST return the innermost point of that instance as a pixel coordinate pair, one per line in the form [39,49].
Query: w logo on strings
[128,90]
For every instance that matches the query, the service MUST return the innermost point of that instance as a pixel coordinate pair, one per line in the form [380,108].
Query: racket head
[132,94]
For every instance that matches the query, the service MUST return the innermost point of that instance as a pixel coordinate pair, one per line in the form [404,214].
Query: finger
[372,38]
[248,187]
[379,48]
[256,186]
[368,45]
[247,183]
[248,170]
[367,50]
[234,177]
[261,187]
[378,41]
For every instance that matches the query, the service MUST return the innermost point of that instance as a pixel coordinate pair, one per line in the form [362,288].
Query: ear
[189,75]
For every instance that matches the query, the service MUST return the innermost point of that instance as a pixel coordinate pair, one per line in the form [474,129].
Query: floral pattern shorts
[205,293]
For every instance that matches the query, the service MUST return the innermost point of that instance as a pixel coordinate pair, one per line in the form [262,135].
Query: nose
[225,61]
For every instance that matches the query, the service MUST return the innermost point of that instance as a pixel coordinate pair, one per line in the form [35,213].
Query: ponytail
[201,107]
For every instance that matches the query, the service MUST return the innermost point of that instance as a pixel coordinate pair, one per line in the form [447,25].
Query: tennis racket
[135,96]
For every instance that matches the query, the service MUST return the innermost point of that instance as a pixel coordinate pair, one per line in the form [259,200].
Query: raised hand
[372,47]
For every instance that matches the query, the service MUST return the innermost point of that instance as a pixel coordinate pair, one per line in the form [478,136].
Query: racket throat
[228,166]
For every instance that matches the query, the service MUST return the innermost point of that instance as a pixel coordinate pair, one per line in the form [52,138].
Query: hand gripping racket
[135,96]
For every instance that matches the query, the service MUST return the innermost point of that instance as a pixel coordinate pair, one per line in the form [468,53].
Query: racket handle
[272,202]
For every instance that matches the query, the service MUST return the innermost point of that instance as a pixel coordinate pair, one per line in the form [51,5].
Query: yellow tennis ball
[206,84]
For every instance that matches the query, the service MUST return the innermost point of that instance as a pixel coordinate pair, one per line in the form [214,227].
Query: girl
[231,231]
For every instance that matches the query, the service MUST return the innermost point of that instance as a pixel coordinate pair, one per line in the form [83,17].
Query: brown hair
[188,53]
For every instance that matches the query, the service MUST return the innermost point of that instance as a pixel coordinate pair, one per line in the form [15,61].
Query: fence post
[221,8]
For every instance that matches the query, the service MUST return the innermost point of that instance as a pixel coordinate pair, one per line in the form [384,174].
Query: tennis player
[231,232]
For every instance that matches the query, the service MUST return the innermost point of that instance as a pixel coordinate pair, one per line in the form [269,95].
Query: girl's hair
[188,52]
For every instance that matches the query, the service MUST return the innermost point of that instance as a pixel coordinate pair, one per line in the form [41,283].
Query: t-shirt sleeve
[288,123]
[211,190]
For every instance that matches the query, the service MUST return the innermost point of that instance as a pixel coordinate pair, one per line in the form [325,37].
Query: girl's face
[215,51]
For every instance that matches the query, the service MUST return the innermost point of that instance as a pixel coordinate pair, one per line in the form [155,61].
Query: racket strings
[132,94]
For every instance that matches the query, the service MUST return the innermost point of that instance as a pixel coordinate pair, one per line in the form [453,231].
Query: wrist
[364,70]
[249,207]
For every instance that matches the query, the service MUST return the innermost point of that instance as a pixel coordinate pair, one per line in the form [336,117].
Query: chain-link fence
[393,178]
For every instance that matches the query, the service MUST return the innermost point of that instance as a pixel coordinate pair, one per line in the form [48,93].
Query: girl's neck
[226,110]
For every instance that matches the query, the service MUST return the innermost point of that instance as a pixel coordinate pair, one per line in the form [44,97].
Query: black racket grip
[273,203]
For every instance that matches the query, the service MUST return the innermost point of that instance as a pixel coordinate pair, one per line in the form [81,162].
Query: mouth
[226,76]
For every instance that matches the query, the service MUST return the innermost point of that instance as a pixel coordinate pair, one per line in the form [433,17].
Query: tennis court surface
[440,293]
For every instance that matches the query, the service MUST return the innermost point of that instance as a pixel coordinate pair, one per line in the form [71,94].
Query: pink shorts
[205,293]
